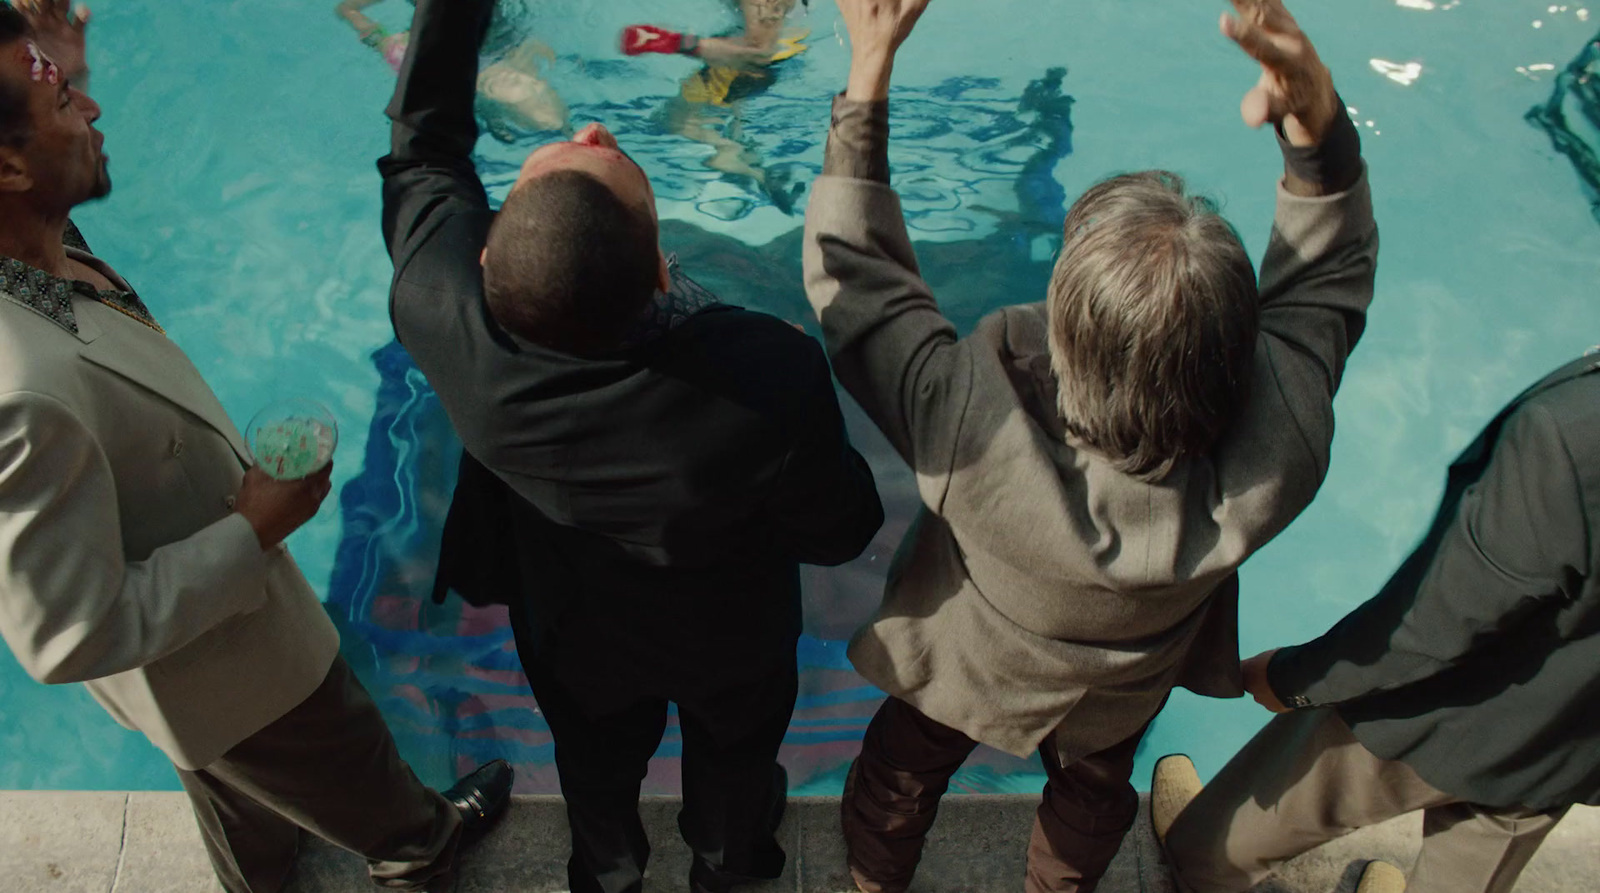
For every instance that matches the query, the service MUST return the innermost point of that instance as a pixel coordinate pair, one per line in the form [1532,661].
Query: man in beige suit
[137,554]
[1093,468]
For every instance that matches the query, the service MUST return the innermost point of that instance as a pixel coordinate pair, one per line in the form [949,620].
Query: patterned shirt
[51,296]
[673,308]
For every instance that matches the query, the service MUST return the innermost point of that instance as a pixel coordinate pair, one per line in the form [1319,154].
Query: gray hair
[1153,320]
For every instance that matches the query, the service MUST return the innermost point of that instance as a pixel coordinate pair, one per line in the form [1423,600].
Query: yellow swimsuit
[722,85]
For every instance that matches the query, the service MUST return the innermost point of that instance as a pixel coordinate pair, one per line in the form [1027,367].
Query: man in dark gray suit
[646,467]
[1465,688]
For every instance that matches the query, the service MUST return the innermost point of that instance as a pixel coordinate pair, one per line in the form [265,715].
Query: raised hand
[1255,682]
[877,29]
[60,31]
[1296,89]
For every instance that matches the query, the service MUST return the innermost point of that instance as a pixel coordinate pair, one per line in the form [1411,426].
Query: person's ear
[14,175]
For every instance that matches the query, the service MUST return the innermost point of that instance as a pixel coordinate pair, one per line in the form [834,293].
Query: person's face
[593,151]
[62,164]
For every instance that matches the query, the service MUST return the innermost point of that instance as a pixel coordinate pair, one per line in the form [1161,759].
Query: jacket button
[177,447]
[229,501]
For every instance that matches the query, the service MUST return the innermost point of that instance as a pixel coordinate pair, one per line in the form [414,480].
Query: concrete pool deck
[147,842]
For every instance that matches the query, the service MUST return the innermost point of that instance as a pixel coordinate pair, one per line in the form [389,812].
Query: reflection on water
[1571,117]
[959,146]
[447,675]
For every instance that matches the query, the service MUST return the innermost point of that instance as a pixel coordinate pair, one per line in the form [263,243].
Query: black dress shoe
[481,796]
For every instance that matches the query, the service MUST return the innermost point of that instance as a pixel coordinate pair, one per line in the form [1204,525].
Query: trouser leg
[329,766]
[252,848]
[892,793]
[1476,849]
[602,762]
[1303,780]
[732,787]
[1088,807]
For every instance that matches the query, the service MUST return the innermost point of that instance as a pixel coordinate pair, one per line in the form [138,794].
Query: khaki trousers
[1305,780]
[328,766]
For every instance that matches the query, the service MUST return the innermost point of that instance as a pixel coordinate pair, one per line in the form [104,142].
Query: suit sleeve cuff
[1334,164]
[858,140]
[1287,676]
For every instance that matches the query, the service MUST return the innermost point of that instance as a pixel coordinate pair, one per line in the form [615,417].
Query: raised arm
[1318,274]
[1501,548]
[428,175]
[891,347]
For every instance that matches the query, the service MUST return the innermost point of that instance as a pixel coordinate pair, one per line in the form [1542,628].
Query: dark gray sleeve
[1517,539]
[1332,165]
[428,173]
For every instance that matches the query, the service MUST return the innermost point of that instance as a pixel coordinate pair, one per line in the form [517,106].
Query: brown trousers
[892,795]
[328,766]
[1305,780]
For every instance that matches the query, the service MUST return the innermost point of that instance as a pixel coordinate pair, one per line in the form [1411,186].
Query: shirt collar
[51,296]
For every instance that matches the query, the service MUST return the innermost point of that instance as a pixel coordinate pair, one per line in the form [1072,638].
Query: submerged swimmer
[739,65]
[512,94]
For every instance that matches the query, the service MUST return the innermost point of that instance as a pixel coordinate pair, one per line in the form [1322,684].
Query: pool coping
[147,841]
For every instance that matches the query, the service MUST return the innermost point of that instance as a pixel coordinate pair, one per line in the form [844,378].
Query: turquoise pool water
[246,210]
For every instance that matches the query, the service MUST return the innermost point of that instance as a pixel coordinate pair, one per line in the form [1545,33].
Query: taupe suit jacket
[1040,588]
[122,564]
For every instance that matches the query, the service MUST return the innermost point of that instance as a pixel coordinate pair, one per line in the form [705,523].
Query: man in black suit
[646,467]
[1465,688]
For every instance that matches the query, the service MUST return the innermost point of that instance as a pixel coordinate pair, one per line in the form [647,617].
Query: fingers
[1259,107]
[1254,39]
[1265,12]
[321,483]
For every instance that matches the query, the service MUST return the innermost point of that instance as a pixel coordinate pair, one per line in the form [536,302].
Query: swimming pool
[246,211]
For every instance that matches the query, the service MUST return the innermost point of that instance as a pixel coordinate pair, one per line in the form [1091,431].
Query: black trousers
[733,789]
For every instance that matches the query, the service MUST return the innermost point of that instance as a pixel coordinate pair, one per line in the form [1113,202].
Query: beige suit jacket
[1040,589]
[122,564]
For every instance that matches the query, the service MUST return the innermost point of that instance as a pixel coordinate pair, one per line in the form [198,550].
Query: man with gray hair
[1094,468]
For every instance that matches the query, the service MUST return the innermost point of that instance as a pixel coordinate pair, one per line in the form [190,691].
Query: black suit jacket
[650,507]
[1478,664]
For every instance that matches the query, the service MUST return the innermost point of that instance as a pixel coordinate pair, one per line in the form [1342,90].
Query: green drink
[292,439]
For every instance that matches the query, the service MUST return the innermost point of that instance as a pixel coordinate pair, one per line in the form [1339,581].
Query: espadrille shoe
[1173,784]
[1381,877]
